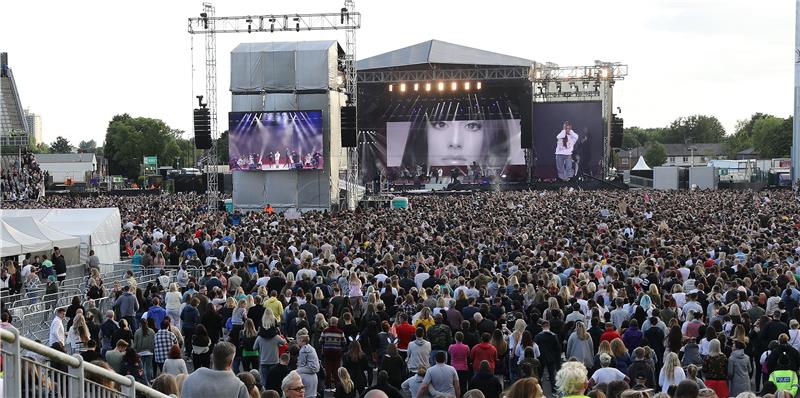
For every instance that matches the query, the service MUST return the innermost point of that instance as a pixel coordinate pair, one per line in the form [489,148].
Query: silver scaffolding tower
[351,88]
[209,25]
[211,158]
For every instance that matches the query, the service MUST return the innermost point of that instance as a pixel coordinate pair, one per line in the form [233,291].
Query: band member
[565,143]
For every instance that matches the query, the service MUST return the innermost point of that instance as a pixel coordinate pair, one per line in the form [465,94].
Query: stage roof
[439,52]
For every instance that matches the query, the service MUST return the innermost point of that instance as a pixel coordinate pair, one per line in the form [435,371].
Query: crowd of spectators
[23,180]
[564,293]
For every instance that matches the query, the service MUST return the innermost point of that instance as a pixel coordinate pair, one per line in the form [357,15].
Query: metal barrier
[27,378]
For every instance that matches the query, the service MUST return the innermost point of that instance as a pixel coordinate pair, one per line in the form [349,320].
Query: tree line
[769,135]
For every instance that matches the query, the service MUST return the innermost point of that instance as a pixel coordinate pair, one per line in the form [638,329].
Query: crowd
[23,180]
[528,294]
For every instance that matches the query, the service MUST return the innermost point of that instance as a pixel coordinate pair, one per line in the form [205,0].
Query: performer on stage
[565,143]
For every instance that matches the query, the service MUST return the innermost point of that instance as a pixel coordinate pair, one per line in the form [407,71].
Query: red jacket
[609,335]
[483,352]
[405,333]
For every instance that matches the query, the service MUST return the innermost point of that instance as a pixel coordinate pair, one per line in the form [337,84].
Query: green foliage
[741,139]
[222,148]
[40,148]
[694,129]
[656,155]
[640,136]
[129,139]
[772,136]
[87,146]
[61,145]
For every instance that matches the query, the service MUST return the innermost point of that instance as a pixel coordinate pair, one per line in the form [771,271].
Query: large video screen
[283,140]
[567,139]
[447,143]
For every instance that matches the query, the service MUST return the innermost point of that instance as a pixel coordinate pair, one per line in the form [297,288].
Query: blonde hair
[268,320]
[618,347]
[580,329]
[605,348]
[670,363]
[344,378]
[714,348]
[571,378]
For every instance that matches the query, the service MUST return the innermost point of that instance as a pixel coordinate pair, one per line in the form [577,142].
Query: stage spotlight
[416,86]
[597,87]
[427,87]
[558,87]
[478,85]
[271,25]
[604,73]
[466,86]
[402,87]
[454,86]
[296,23]
[391,88]
[440,86]
[249,27]
[585,86]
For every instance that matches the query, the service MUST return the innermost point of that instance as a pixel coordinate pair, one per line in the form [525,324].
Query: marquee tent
[98,229]
[48,237]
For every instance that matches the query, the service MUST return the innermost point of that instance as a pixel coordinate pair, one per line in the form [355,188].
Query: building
[747,154]
[681,155]
[35,126]
[68,167]
[691,155]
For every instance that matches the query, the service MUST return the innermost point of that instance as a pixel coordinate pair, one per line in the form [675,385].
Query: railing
[27,378]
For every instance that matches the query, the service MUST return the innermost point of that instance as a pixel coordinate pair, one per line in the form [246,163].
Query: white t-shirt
[607,375]
[572,138]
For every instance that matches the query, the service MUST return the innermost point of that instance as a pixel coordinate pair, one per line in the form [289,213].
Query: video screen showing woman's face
[453,143]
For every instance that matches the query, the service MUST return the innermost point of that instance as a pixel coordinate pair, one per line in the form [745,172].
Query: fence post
[12,367]
[76,384]
[129,391]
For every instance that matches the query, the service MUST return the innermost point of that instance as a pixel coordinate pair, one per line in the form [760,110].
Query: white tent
[69,245]
[16,242]
[641,164]
[98,229]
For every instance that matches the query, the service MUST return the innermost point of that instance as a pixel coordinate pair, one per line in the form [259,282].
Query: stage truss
[581,83]
[209,24]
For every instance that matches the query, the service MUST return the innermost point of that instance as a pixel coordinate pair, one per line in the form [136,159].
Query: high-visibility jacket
[785,380]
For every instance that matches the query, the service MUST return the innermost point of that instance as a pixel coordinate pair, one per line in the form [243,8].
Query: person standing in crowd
[550,348]
[220,381]
[308,365]
[128,305]
[333,342]
[163,341]
[57,333]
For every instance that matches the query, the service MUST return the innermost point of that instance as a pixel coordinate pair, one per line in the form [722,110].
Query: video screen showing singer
[565,144]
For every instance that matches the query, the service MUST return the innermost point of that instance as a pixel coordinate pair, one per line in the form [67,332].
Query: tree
[772,136]
[656,155]
[222,148]
[61,145]
[742,137]
[694,129]
[128,139]
[40,148]
[87,146]
[642,136]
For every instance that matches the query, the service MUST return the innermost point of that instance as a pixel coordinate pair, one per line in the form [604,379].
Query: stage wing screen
[586,148]
[275,140]
[449,143]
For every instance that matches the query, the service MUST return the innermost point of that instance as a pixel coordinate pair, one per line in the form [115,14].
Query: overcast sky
[78,63]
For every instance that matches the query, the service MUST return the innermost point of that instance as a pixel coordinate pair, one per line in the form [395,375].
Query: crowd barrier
[27,377]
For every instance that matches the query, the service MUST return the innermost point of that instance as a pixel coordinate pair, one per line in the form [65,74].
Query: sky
[79,63]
